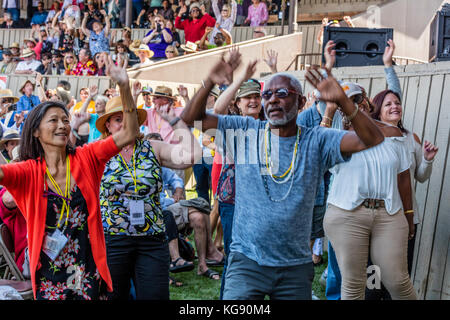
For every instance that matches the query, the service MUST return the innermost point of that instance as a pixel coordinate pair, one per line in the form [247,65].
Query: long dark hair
[377,102]
[30,146]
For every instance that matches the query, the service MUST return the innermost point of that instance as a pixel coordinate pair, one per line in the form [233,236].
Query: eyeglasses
[170,51]
[359,98]
[279,93]
[195,10]
[68,57]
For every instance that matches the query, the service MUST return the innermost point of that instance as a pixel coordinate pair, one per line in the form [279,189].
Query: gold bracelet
[350,118]
[328,118]
[409,211]
[325,124]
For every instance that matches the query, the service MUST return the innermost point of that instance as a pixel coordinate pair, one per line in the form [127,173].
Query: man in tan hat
[29,64]
[28,101]
[162,96]
[8,65]
[15,51]
[8,109]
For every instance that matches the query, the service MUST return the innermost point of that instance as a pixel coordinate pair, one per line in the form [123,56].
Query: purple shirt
[258,14]
[158,45]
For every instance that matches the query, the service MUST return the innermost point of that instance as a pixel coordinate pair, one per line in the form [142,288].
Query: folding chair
[10,274]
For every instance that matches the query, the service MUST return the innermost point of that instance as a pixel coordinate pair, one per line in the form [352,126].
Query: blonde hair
[162,19]
[174,48]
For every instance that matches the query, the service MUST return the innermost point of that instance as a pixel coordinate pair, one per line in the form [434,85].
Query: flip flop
[186,266]
[174,282]
[215,263]
[210,274]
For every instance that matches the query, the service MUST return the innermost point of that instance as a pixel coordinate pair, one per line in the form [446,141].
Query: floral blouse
[117,189]
[73,275]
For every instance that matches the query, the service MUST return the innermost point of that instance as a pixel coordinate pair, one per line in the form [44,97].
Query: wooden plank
[410,101]
[378,84]
[446,285]
[442,224]
[420,117]
[431,207]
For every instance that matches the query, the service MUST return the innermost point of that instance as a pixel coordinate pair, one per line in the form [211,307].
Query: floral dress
[73,275]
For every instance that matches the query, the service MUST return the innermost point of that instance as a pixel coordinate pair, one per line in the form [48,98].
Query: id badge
[137,214]
[54,243]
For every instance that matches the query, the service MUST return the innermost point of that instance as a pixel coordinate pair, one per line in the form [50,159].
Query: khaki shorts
[180,214]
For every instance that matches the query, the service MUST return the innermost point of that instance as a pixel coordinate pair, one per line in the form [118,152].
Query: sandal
[186,266]
[174,282]
[210,274]
[215,263]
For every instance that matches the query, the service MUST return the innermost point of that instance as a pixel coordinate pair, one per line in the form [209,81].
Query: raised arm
[183,154]
[107,22]
[93,90]
[85,30]
[224,100]
[195,110]
[233,11]
[367,134]
[215,7]
[391,77]
[130,125]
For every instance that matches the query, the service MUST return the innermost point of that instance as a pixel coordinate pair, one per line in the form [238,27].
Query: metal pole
[129,13]
[283,14]
[293,8]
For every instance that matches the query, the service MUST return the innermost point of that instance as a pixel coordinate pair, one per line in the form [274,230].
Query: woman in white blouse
[368,210]
[388,109]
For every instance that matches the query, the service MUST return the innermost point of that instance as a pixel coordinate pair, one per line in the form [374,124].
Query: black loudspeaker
[357,46]
[440,35]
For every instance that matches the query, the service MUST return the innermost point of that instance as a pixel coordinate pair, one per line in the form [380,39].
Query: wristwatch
[174,121]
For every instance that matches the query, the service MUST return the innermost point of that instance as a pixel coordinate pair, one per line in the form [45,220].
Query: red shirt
[17,226]
[25,181]
[195,29]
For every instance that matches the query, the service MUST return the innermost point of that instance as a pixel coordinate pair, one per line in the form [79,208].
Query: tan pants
[352,233]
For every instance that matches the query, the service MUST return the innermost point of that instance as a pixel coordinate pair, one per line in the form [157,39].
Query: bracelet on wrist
[353,115]
[324,124]
[174,121]
[409,211]
[328,118]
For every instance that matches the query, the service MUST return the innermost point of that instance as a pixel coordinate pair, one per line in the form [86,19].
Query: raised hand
[93,91]
[116,73]
[222,72]
[137,88]
[166,112]
[429,150]
[183,91]
[329,88]
[78,118]
[389,53]
[272,60]
[208,30]
[249,70]
[330,55]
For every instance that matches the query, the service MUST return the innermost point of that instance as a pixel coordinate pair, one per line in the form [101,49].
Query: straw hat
[29,39]
[114,105]
[10,135]
[15,45]
[189,47]
[27,53]
[163,91]
[24,84]
[7,93]
[143,47]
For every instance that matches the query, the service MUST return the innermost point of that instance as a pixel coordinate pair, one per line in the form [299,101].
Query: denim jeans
[247,280]
[145,259]
[226,212]
[15,14]
[202,174]
[333,288]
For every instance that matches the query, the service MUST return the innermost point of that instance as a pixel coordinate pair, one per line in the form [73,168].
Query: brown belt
[373,203]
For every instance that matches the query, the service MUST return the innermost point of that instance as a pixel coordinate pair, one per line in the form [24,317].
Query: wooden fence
[426,109]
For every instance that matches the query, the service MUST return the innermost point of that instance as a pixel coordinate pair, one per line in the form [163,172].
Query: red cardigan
[25,181]
[195,29]
[17,226]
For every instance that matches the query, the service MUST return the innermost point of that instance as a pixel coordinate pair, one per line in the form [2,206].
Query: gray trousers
[247,280]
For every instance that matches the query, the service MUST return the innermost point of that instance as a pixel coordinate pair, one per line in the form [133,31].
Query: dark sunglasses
[170,51]
[359,98]
[279,93]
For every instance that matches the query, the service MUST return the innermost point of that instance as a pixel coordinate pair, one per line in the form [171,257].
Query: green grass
[201,288]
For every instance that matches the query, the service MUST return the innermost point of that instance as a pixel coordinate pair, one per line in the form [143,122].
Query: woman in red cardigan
[56,187]
[194,27]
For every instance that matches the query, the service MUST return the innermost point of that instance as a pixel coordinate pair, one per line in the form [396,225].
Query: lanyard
[134,168]
[65,197]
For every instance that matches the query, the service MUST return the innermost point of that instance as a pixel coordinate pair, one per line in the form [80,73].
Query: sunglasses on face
[68,57]
[195,10]
[170,51]
[279,93]
[359,98]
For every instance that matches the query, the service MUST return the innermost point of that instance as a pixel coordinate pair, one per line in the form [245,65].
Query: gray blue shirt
[265,229]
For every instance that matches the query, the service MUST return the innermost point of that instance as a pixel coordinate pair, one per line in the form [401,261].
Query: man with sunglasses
[278,167]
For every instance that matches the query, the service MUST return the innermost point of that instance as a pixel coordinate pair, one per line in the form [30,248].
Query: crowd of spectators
[68,37]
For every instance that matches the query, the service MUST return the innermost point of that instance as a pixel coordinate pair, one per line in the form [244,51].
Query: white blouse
[371,174]
[420,168]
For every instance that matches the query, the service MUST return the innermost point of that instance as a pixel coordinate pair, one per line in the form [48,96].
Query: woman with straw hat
[129,198]
[65,234]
